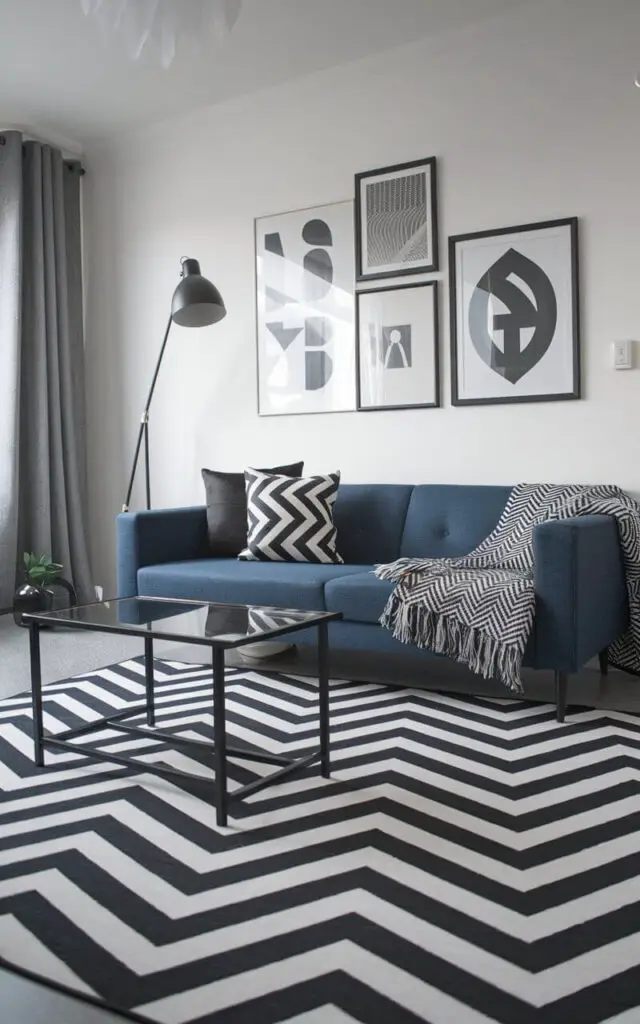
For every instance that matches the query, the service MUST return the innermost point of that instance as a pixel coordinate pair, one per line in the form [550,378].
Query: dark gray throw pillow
[226,498]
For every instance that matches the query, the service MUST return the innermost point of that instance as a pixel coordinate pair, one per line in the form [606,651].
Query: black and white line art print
[305,311]
[514,313]
[397,347]
[396,220]
[395,353]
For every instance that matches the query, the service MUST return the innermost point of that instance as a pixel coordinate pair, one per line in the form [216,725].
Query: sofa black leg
[603,658]
[561,679]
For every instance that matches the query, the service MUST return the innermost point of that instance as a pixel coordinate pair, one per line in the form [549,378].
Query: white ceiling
[60,74]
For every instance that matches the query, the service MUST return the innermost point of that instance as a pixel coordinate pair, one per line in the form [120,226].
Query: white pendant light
[161,22]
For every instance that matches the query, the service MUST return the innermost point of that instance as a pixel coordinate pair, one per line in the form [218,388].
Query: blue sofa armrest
[581,594]
[161,535]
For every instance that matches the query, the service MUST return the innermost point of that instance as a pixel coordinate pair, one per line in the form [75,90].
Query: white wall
[532,116]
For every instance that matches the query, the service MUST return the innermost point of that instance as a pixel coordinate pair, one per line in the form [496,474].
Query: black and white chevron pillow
[290,519]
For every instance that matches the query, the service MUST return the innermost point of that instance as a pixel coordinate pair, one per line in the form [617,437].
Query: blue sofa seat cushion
[360,598]
[284,584]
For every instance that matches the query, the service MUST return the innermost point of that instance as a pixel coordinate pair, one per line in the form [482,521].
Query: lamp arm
[144,422]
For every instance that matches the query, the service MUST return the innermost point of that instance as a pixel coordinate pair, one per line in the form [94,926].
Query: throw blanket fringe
[415,624]
[479,609]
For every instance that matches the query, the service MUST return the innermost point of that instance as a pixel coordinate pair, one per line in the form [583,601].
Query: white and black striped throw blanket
[479,608]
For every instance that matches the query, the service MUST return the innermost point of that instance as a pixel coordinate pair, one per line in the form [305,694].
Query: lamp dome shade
[196,301]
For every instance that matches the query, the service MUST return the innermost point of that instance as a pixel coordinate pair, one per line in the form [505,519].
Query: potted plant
[36,594]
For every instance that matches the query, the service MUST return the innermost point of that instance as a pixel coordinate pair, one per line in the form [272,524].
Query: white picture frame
[397,347]
[305,265]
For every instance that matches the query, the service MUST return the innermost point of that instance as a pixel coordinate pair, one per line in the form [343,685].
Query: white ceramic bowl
[264,649]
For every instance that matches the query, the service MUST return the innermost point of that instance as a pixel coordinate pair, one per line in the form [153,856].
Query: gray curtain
[43,499]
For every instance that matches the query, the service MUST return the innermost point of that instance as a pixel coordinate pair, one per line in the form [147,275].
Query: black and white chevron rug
[470,861]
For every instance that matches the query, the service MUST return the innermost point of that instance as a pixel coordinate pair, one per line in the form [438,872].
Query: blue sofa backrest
[382,522]
[369,520]
[444,521]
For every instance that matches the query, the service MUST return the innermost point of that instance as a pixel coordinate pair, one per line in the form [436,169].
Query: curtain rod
[75,163]
[29,135]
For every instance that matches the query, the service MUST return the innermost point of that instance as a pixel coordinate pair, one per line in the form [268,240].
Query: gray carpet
[29,1002]
[66,653]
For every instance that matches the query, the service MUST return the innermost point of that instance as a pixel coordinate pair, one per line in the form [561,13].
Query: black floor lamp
[196,303]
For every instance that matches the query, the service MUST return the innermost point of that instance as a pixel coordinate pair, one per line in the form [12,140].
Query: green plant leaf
[41,571]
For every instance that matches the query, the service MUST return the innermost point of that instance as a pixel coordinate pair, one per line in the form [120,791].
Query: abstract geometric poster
[396,220]
[397,347]
[515,314]
[305,311]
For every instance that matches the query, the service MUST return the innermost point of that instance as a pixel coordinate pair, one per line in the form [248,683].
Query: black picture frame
[455,296]
[436,403]
[429,164]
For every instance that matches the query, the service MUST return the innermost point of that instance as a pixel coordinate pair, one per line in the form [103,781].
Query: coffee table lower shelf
[287,765]
[220,750]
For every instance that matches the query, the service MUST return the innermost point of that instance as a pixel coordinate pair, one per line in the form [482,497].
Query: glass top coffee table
[220,627]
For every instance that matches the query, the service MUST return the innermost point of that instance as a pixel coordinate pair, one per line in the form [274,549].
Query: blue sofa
[581,599]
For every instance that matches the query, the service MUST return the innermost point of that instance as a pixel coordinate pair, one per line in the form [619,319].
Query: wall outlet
[622,355]
[99,593]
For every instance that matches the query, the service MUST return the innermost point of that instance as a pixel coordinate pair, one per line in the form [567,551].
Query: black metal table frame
[220,749]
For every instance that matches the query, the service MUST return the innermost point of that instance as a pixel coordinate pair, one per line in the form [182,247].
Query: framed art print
[396,220]
[305,311]
[397,347]
[515,331]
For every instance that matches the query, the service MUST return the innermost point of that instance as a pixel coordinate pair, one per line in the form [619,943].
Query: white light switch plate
[622,358]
